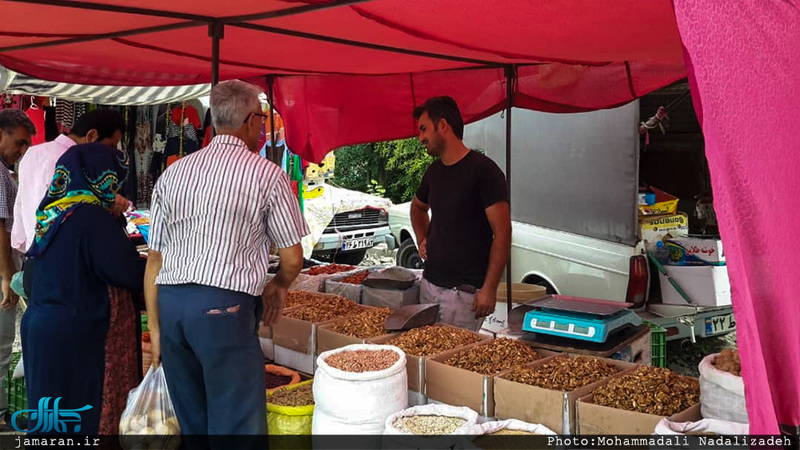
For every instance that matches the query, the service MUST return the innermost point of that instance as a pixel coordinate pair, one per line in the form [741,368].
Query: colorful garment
[85,174]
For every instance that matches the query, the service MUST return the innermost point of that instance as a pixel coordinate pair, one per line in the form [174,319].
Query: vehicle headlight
[384,216]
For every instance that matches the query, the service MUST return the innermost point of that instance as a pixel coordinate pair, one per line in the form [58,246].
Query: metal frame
[216,31]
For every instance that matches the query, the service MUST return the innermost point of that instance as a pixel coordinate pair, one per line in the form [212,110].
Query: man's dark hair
[11,119]
[443,107]
[105,121]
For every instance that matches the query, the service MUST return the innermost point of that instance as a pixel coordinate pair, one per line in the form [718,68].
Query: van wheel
[408,256]
[350,258]
[541,282]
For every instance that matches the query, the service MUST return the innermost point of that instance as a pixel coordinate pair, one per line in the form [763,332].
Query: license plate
[720,324]
[354,244]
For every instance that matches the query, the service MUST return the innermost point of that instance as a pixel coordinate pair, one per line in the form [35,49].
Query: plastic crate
[658,339]
[15,389]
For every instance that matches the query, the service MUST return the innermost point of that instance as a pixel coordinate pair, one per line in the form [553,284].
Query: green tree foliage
[395,167]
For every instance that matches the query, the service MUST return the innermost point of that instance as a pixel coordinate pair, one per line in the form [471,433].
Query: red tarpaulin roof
[571,55]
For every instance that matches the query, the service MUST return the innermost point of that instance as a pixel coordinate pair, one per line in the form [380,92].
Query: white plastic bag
[722,427]
[721,393]
[510,424]
[463,412]
[358,403]
[149,420]
[19,371]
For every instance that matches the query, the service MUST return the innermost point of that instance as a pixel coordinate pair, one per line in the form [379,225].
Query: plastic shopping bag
[149,421]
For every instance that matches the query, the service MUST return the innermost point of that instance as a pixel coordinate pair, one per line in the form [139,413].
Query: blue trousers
[213,360]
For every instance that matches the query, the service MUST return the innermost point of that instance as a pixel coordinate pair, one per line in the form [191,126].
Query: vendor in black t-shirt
[467,240]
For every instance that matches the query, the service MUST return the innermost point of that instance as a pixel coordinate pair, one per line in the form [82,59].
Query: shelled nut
[494,357]
[433,339]
[650,390]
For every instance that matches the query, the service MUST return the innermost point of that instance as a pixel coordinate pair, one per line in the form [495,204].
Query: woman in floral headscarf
[80,255]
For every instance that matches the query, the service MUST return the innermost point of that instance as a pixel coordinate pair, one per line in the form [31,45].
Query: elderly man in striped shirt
[214,215]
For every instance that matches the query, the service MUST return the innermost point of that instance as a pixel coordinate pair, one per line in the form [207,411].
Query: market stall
[581,56]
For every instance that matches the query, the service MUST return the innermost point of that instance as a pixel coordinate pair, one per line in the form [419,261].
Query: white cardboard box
[705,285]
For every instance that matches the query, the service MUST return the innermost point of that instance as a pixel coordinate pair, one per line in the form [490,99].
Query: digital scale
[579,318]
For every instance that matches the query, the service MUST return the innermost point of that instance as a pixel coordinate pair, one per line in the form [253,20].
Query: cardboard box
[294,334]
[352,292]
[330,340]
[267,348]
[654,228]
[596,419]
[391,298]
[459,387]
[533,404]
[704,249]
[416,366]
[705,285]
[665,204]
[299,361]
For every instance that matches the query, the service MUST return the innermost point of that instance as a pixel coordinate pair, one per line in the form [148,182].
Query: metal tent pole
[216,30]
[509,104]
[272,156]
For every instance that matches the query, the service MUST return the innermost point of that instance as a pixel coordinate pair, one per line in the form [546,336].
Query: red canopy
[385,55]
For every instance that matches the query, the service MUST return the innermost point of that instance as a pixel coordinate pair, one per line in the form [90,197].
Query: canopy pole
[216,30]
[509,104]
[270,98]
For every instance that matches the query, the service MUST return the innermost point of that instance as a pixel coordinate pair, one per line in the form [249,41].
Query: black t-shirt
[459,237]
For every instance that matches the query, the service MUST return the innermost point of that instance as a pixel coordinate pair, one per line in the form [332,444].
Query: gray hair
[11,119]
[231,102]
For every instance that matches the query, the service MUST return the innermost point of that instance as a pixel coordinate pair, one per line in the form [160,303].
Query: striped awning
[17,83]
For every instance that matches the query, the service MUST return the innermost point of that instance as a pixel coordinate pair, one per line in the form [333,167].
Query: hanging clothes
[36,115]
[130,185]
[9,101]
[50,124]
[182,137]
[143,156]
[80,109]
[65,114]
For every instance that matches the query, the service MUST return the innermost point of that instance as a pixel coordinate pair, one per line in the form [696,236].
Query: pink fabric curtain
[744,59]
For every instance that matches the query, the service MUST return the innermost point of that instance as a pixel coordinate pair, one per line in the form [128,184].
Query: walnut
[494,357]
[650,390]
[564,374]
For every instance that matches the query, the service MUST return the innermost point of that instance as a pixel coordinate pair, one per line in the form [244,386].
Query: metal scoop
[412,316]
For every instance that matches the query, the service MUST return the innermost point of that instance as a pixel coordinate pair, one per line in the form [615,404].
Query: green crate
[658,339]
[15,389]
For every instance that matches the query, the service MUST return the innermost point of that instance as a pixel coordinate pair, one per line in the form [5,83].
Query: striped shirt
[214,214]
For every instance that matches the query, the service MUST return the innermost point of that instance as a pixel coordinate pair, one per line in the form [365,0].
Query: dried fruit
[272,381]
[356,278]
[728,360]
[494,357]
[564,374]
[433,339]
[363,360]
[322,308]
[429,424]
[300,396]
[365,324]
[330,269]
[303,298]
[649,390]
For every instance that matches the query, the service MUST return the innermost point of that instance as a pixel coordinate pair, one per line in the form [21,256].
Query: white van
[574,198]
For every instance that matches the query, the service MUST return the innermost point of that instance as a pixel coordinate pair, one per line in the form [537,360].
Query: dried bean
[363,360]
[494,357]
[272,381]
[728,361]
[649,390]
[564,374]
[300,396]
[433,339]
[429,424]
[364,325]
[330,269]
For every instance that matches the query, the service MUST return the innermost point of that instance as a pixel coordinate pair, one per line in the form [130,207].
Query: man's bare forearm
[419,220]
[291,265]
[498,258]
[7,268]
[154,262]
